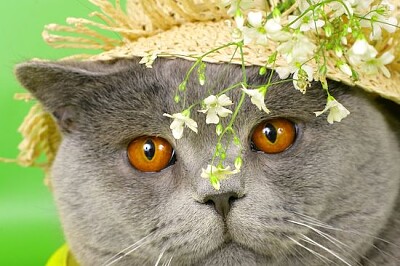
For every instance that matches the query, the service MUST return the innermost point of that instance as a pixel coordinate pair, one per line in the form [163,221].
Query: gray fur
[345,175]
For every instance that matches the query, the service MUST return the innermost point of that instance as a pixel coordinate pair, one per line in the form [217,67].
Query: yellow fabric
[62,257]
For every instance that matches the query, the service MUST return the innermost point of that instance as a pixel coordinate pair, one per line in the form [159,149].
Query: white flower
[148,59]
[215,108]
[180,121]
[343,40]
[364,55]
[255,19]
[373,65]
[360,52]
[274,30]
[341,8]
[257,97]
[217,173]
[336,110]
[239,20]
[284,72]
[306,22]
[338,51]
[378,22]
[360,47]
[302,78]
[303,5]
[298,49]
[349,7]
[345,68]
[237,4]
[259,33]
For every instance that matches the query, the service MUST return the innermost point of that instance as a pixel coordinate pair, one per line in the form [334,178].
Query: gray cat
[331,198]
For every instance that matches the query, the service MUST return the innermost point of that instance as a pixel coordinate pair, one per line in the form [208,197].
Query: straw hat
[189,29]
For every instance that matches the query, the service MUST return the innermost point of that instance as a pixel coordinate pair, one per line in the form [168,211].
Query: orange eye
[274,136]
[150,154]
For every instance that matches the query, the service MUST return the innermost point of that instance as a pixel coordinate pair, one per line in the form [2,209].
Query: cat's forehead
[138,89]
[131,100]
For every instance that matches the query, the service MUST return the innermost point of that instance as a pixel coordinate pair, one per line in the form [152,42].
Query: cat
[331,198]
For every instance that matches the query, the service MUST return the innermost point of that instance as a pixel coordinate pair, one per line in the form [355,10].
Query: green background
[29,228]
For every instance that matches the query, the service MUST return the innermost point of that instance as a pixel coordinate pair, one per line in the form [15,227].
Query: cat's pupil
[270,132]
[149,149]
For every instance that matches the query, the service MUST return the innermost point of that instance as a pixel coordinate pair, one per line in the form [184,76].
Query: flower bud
[182,86]
[276,13]
[238,162]
[236,141]
[219,146]
[186,112]
[262,71]
[272,58]
[215,182]
[328,30]
[338,51]
[202,79]
[345,68]
[223,156]
[239,19]
[219,129]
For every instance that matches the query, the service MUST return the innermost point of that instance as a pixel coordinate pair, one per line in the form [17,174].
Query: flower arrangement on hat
[353,41]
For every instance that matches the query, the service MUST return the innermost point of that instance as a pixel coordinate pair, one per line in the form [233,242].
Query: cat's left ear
[60,85]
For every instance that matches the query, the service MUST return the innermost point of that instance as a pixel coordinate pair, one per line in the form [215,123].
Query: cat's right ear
[58,86]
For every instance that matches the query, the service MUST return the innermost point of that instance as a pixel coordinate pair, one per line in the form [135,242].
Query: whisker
[339,245]
[318,223]
[331,239]
[385,253]
[122,255]
[313,220]
[309,240]
[169,262]
[159,257]
[126,251]
[299,256]
[320,256]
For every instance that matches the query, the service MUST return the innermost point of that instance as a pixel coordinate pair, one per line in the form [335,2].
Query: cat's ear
[56,83]
[58,86]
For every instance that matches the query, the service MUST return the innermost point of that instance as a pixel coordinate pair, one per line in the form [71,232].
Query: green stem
[379,21]
[198,61]
[229,128]
[313,7]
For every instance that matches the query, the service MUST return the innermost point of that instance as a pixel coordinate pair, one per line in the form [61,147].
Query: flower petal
[212,117]
[212,99]
[177,132]
[224,100]
[255,19]
[223,112]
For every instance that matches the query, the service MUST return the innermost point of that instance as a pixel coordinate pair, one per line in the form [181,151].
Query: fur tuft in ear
[66,118]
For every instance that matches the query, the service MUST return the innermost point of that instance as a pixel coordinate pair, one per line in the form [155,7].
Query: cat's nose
[222,202]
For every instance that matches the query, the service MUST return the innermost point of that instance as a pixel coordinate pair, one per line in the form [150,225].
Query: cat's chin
[232,253]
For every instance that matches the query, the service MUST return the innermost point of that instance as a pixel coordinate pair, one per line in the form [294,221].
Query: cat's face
[279,210]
